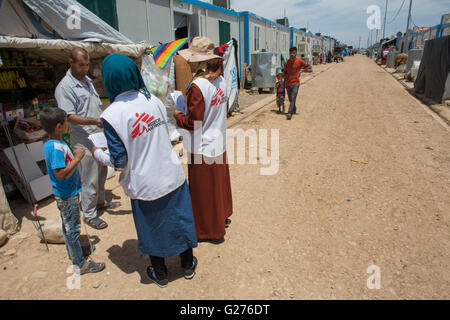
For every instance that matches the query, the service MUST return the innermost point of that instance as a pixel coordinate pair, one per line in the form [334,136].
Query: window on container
[181,26]
[276,42]
[224,32]
[257,38]
[104,9]
[201,26]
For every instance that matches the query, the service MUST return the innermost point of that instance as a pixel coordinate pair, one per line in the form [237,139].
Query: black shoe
[289,116]
[190,272]
[213,241]
[162,283]
[227,223]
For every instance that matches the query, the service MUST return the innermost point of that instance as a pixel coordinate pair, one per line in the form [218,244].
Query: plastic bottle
[66,139]
[35,104]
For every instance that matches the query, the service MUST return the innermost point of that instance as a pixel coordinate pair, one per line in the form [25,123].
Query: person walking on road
[76,95]
[292,68]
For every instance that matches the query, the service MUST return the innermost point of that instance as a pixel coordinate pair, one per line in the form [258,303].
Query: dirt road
[311,230]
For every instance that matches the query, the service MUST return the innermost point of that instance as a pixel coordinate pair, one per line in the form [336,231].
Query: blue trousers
[69,209]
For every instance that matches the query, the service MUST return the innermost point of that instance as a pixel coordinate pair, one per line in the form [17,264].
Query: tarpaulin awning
[53,19]
[434,68]
[58,15]
[57,51]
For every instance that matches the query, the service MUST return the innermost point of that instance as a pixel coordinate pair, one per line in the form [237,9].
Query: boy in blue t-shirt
[62,169]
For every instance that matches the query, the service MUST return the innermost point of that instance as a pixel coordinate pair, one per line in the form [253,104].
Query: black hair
[214,65]
[50,117]
[292,49]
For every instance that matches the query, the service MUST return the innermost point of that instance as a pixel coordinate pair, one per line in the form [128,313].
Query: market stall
[35,44]
[30,69]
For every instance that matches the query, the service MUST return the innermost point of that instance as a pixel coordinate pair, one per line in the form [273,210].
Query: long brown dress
[209,184]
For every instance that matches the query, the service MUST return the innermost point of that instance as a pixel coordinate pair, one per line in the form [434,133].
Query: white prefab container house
[261,35]
[162,21]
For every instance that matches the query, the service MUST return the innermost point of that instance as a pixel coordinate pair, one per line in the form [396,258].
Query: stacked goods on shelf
[15,58]
[27,108]
[26,85]
[10,80]
[11,111]
[29,130]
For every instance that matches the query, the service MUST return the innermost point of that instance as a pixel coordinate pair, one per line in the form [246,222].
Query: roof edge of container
[254,15]
[211,7]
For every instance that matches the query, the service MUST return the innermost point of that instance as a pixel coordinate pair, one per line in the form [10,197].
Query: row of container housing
[162,21]
[416,40]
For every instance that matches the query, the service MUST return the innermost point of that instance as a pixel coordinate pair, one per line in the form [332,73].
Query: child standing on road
[62,169]
[280,88]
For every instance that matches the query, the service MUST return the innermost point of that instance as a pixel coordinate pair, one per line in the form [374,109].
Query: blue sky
[346,19]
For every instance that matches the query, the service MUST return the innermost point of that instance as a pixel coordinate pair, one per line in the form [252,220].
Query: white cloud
[346,19]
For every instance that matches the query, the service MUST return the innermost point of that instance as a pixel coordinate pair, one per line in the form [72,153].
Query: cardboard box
[35,181]
[12,114]
[28,136]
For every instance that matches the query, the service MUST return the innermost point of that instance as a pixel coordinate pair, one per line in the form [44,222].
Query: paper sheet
[178,98]
[99,140]
[102,156]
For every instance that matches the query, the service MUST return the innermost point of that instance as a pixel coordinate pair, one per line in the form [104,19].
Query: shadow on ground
[20,208]
[127,259]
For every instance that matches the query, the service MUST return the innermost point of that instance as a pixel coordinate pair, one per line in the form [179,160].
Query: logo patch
[217,98]
[68,159]
[145,123]
[141,123]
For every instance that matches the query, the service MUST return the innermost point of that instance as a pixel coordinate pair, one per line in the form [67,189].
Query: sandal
[93,267]
[108,205]
[96,223]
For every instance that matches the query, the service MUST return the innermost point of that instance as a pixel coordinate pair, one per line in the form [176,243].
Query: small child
[62,169]
[280,88]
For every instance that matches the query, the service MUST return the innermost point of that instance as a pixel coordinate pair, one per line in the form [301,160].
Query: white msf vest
[153,169]
[211,141]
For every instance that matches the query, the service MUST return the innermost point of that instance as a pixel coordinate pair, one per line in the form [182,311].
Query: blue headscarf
[121,74]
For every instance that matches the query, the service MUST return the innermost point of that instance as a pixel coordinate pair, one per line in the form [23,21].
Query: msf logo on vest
[144,123]
[218,98]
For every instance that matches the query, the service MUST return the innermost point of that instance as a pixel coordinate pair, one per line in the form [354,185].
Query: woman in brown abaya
[209,176]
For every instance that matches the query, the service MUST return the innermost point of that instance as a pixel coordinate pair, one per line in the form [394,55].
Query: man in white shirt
[77,96]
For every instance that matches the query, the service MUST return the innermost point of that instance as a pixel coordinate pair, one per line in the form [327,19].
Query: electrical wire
[397,12]
[414,22]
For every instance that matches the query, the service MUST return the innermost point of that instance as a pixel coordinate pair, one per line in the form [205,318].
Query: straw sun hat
[201,49]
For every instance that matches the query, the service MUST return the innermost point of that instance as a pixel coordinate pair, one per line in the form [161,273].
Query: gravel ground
[310,231]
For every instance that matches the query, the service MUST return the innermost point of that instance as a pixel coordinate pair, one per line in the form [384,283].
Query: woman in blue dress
[135,126]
